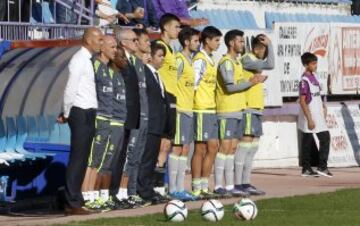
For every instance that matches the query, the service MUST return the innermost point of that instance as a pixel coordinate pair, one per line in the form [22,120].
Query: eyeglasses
[132,39]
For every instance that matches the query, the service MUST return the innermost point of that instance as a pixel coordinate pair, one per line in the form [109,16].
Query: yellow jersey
[185,84]
[168,71]
[230,102]
[255,94]
[204,98]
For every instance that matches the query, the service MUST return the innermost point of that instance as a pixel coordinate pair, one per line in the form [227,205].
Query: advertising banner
[341,150]
[292,41]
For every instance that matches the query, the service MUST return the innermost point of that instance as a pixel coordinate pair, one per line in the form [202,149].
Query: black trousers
[324,143]
[118,165]
[82,127]
[147,166]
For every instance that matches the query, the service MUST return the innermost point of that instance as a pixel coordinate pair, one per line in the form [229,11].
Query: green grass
[336,208]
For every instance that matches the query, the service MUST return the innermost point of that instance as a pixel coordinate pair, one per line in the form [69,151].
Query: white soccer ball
[175,211]
[212,210]
[245,209]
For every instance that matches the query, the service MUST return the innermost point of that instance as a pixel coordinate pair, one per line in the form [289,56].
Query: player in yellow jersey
[170,28]
[205,119]
[177,162]
[230,103]
[260,58]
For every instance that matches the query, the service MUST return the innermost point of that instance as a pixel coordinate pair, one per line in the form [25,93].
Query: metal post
[54,9]
[92,6]
[42,15]
[20,10]
[30,15]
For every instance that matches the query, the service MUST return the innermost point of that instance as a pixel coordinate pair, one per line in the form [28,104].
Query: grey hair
[121,34]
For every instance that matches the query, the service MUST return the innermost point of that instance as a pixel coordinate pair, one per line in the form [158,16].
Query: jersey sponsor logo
[206,135]
[189,84]
[120,96]
[107,89]
[317,43]
[172,68]
[228,133]
[209,81]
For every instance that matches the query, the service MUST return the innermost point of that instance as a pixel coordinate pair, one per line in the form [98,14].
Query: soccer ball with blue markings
[175,211]
[245,209]
[212,210]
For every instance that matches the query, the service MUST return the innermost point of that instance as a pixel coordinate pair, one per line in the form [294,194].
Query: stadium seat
[10,145]
[21,138]
[43,129]
[269,19]
[64,133]
[252,19]
[47,16]
[4,157]
[33,132]
[54,130]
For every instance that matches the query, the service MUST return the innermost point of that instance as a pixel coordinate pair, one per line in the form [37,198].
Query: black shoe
[120,204]
[158,199]
[309,173]
[324,172]
[136,201]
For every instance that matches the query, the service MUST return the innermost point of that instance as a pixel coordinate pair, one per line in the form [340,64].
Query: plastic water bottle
[3,187]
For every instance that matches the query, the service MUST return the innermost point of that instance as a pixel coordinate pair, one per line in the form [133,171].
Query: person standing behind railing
[180,9]
[61,13]
[141,13]
[107,14]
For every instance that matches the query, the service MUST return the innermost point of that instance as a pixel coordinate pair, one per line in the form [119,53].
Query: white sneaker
[5,156]
[122,194]
[2,161]
[15,155]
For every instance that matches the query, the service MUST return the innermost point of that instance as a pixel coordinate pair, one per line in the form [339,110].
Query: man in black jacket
[129,41]
[158,113]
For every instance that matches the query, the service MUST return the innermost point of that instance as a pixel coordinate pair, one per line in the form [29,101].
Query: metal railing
[27,31]
[22,11]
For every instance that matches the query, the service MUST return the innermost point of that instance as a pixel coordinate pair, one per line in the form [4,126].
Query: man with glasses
[137,137]
[127,39]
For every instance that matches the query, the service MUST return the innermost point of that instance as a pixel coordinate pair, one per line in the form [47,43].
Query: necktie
[159,82]
[157,77]
[132,59]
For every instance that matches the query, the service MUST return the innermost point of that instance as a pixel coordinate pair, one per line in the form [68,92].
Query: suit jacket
[158,105]
[132,97]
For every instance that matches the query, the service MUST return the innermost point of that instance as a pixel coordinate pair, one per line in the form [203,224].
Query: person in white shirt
[79,110]
[107,14]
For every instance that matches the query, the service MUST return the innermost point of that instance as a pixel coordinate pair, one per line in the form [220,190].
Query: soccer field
[335,208]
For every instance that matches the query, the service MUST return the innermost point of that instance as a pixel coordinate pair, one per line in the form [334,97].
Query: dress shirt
[80,88]
[157,78]
[105,8]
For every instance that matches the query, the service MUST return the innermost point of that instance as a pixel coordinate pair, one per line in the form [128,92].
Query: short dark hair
[186,34]
[210,32]
[307,58]
[155,46]
[257,41]
[139,31]
[167,18]
[231,35]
